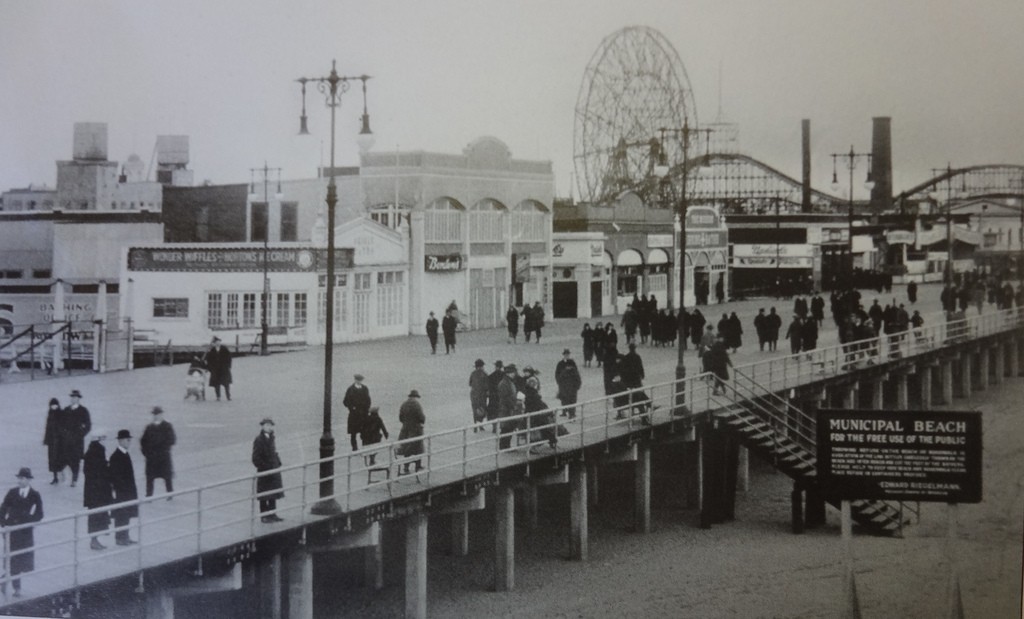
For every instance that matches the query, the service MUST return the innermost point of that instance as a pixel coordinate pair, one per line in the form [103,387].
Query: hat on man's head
[123,434]
[414,394]
[565,351]
[510,368]
[215,339]
[266,420]
[24,472]
[478,363]
[75,393]
[499,363]
[358,377]
[156,411]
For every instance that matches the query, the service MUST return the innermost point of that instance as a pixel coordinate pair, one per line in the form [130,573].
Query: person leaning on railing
[22,505]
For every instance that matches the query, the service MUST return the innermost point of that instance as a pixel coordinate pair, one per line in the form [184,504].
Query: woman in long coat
[587,335]
[410,414]
[97,488]
[697,322]
[51,439]
[597,337]
[735,332]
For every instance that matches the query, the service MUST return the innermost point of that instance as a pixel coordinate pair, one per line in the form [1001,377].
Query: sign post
[927,456]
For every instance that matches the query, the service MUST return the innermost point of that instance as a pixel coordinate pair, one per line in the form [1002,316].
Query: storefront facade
[185,293]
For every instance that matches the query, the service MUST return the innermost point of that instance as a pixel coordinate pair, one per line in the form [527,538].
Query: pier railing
[190,522]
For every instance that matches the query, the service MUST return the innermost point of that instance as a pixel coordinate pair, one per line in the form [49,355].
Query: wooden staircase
[770,426]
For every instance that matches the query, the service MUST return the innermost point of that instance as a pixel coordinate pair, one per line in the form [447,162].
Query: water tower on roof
[172,161]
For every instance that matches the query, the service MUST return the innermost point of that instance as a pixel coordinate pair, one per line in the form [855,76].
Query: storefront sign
[900,455]
[905,237]
[596,250]
[702,217]
[704,239]
[235,259]
[659,240]
[521,267]
[769,262]
[444,262]
[772,250]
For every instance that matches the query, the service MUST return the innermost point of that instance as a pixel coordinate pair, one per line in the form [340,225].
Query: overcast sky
[445,72]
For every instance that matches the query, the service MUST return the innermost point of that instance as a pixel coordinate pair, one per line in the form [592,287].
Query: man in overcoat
[74,424]
[569,381]
[265,458]
[122,482]
[357,401]
[22,505]
[218,362]
[478,387]
[156,442]
[97,488]
[432,333]
[448,325]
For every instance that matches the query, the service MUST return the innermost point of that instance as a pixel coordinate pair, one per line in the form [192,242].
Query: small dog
[195,384]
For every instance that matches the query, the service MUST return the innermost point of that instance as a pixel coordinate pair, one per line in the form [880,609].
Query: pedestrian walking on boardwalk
[795,335]
[432,333]
[122,482]
[448,325]
[410,414]
[478,387]
[493,380]
[538,319]
[761,328]
[773,325]
[373,432]
[706,342]
[218,362]
[719,363]
[357,401]
[569,381]
[156,442]
[507,405]
[512,323]
[21,505]
[587,335]
[912,292]
[266,459]
[735,339]
[51,438]
[74,424]
[97,492]
[598,337]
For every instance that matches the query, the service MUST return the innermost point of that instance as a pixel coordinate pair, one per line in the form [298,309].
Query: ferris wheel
[634,85]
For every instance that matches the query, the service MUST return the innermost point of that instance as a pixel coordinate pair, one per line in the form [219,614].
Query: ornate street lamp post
[949,218]
[264,324]
[869,184]
[661,170]
[332,87]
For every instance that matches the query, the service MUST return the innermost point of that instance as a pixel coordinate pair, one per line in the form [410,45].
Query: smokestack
[881,163]
[805,126]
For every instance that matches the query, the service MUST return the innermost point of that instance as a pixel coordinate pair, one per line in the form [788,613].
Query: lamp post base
[680,407]
[326,506]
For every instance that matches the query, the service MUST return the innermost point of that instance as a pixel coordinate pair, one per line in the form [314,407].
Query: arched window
[486,222]
[442,221]
[529,222]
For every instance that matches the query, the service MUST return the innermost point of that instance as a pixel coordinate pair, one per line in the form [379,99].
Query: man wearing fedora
[265,458]
[569,381]
[410,413]
[22,505]
[218,362]
[74,425]
[156,442]
[357,401]
[122,482]
[478,387]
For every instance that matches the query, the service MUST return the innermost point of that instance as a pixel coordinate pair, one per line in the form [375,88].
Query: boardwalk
[210,514]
